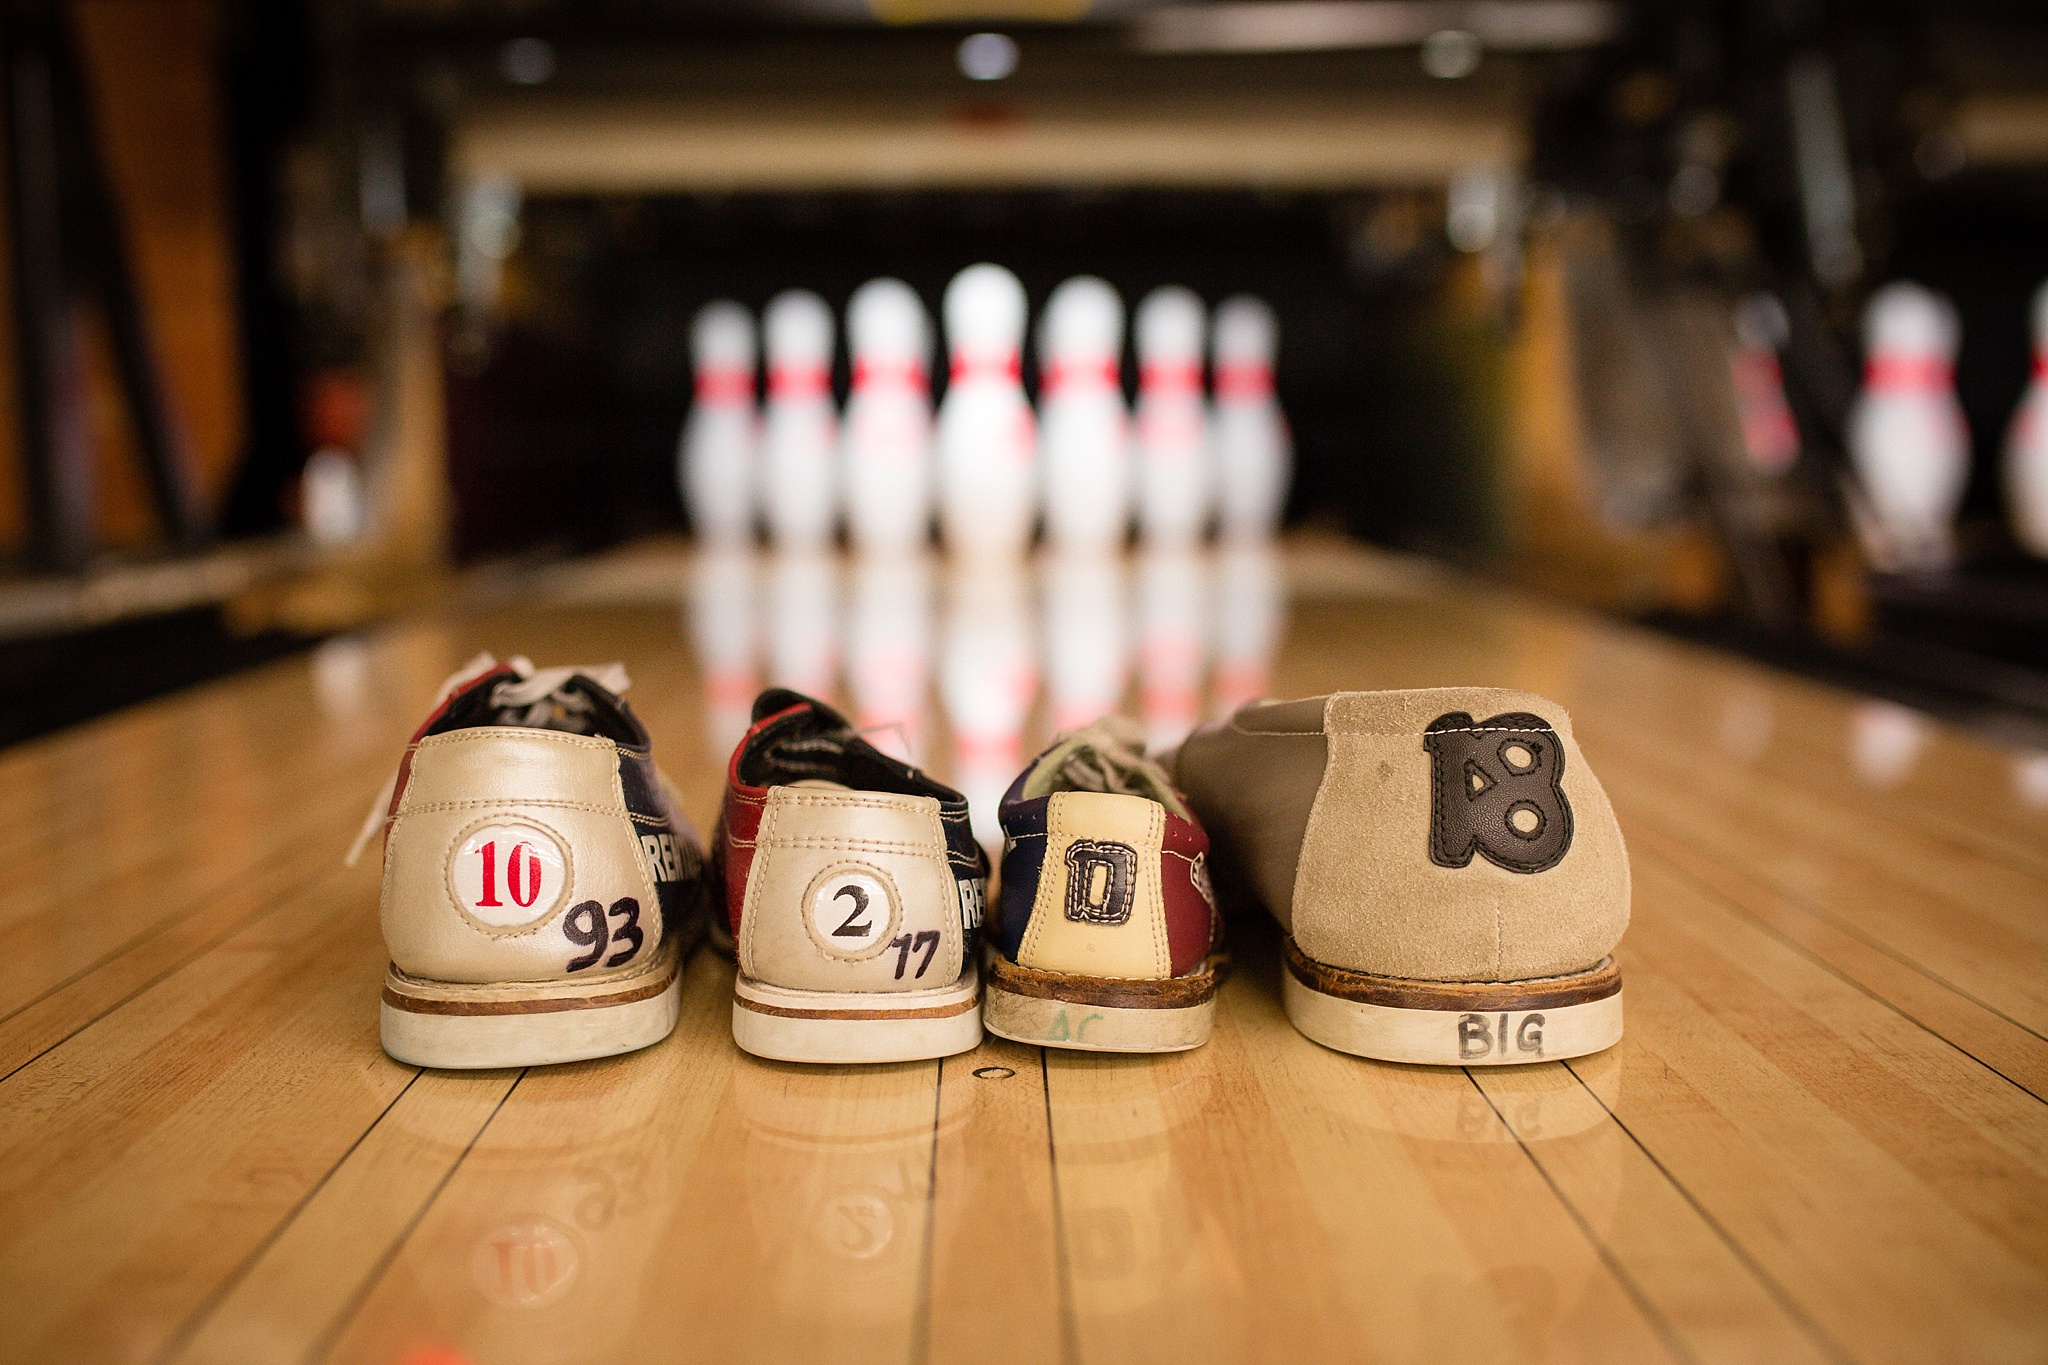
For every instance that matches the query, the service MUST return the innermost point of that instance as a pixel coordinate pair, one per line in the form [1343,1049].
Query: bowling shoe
[1446,868]
[854,891]
[1107,929]
[541,892]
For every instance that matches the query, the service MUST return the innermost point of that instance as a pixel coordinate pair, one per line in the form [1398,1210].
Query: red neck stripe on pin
[1006,366]
[1244,379]
[1081,374]
[1906,373]
[897,374]
[2041,365]
[724,386]
[1171,376]
[799,381]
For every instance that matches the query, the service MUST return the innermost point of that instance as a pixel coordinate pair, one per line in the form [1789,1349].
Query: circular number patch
[851,910]
[508,874]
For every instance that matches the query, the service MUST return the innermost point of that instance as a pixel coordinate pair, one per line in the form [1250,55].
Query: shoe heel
[837,1027]
[1454,1023]
[1095,1014]
[456,1026]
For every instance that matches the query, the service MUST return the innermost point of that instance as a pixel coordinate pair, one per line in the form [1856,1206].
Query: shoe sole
[1101,1014]
[460,1027]
[786,1025]
[1454,1023]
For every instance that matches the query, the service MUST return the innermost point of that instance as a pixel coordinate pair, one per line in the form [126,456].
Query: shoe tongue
[1107,756]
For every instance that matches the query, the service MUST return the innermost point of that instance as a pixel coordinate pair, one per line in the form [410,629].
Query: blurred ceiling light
[1474,206]
[987,56]
[1450,54]
[971,11]
[527,61]
[1304,25]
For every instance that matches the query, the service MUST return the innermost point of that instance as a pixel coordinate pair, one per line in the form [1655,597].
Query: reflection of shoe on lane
[1108,927]
[1447,869]
[540,890]
[854,889]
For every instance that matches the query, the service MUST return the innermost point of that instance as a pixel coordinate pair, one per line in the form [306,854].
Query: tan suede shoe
[1446,866]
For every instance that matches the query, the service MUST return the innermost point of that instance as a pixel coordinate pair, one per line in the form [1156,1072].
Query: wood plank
[1887,1181]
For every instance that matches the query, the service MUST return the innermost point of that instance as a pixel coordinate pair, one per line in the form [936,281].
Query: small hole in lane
[994,1073]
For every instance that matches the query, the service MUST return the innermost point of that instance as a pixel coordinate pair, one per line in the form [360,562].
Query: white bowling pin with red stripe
[800,441]
[1907,438]
[2026,447]
[1769,434]
[1254,453]
[1083,426]
[721,437]
[886,468]
[1174,481]
[988,481]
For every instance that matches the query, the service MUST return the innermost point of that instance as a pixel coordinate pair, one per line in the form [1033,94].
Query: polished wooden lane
[1823,1138]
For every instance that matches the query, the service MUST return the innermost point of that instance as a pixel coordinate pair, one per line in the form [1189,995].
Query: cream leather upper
[845,889]
[501,833]
[1057,941]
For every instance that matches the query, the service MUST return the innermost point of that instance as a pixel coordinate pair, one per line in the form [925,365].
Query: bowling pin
[1083,428]
[1174,485]
[2026,447]
[334,504]
[715,463]
[1172,643]
[886,466]
[803,621]
[987,439]
[888,650]
[1768,432]
[988,678]
[1253,450]
[1087,636]
[800,441]
[725,638]
[1907,439]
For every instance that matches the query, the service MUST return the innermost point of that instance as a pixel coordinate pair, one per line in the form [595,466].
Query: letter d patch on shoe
[1496,786]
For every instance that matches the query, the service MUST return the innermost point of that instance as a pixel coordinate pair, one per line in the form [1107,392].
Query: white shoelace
[538,691]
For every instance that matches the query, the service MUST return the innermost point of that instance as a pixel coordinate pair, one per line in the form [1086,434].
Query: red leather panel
[1190,919]
[737,830]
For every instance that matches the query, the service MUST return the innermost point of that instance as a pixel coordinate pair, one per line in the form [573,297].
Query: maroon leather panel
[1190,918]
[737,830]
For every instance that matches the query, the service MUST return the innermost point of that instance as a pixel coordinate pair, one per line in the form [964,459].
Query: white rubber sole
[842,1028]
[461,1027]
[1493,1024]
[1096,1028]
[1093,1014]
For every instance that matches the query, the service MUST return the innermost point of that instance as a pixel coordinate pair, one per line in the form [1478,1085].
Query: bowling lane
[1822,1137]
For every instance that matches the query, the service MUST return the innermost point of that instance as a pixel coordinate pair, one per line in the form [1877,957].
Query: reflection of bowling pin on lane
[987,482]
[1251,612]
[1253,451]
[1087,637]
[726,640]
[1171,647]
[888,651]
[987,679]
[1885,740]
[2026,447]
[799,490]
[722,434]
[1907,439]
[1174,482]
[803,623]
[887,468]
[1083,429]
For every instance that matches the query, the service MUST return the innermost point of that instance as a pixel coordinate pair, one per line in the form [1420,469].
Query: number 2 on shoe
[854,890]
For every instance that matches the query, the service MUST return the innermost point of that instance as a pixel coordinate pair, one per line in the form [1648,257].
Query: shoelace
[1112,760]
[531,701]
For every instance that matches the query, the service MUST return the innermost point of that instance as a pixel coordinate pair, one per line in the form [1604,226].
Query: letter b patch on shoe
[1497,787]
